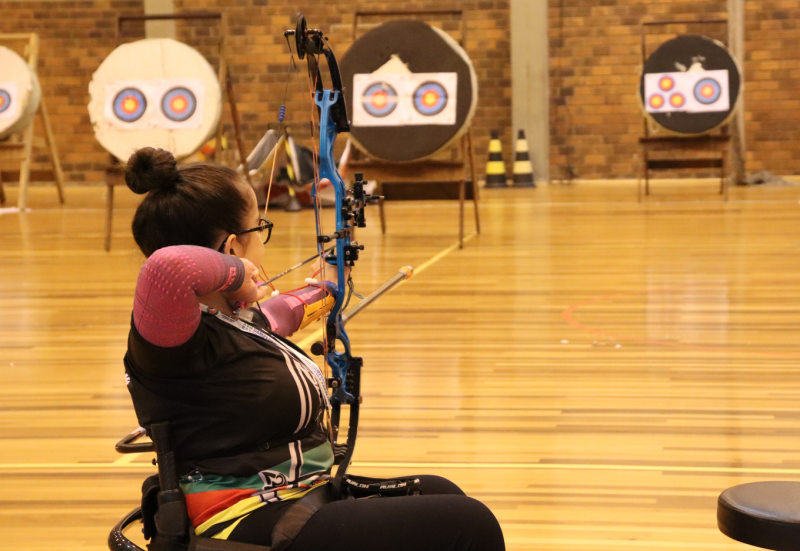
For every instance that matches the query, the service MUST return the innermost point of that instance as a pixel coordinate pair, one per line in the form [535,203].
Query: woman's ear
[231,246]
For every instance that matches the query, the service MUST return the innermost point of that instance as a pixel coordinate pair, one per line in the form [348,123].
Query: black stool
[763,514]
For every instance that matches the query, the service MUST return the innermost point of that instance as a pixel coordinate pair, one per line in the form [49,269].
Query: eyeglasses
[264,227]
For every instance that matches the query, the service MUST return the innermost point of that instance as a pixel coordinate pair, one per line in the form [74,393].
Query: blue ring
[140,109]
[6,100]
[424,88]
[386,110]
[714,84]
[191,104]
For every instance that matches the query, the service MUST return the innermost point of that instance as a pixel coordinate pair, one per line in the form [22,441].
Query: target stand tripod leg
[25,169]
[461,192]
[113,176]
[475,198]
[2,191]
[723,177]
[51,146]
[379,191]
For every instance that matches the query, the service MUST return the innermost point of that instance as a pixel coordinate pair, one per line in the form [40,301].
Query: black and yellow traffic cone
[523,171]
[495,167]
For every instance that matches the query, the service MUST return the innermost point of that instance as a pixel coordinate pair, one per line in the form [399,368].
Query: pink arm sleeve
[285,312]
[166,311]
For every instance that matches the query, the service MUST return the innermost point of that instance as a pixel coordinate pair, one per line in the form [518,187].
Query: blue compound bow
[350,213]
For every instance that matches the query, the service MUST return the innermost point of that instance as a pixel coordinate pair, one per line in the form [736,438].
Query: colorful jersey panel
[212,499]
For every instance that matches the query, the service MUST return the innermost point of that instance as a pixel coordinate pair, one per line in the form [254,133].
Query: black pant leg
[437,485]
[413,523]
[442,519]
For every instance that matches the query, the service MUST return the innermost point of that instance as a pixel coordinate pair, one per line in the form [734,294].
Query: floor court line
[16,467]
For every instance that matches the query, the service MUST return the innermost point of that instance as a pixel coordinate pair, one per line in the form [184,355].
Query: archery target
[656,101]
[690,85]
[433,98]
[129,104]
[436,90]
[430,99]
[379,99]
[404,99]
[178,104]
[157,93]
[707,91]
[694,91]
[19,93]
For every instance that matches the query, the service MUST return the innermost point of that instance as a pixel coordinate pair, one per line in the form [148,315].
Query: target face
[380,99]
[410,99]
[129,105]
[677,100]
[687,91]
[5,100]
[430,99]
[169,104]
[656,101]
[179,104]
[666,83]
[707,91]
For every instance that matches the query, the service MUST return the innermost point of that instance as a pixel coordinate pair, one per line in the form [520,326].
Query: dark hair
[190,205]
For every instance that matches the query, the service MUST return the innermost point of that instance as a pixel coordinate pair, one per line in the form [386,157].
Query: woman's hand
[249,292]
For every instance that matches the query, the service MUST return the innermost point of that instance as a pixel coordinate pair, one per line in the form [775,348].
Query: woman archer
[246,407]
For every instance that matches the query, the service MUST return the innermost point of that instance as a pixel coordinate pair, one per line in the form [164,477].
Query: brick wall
[594,54]
[772,73]
[77,36]
[74,38]
[594,71]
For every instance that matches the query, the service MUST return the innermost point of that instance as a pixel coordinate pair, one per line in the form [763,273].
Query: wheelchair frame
[173,530]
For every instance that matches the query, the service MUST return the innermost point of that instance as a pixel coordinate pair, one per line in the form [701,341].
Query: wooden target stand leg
[32,54]
[114,175]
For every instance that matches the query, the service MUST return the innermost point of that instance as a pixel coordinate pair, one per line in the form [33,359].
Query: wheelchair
[762,514]
[163,512]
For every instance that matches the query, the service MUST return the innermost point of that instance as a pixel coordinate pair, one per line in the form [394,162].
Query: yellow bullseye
[380,99]
[129,104]
[707,91]
[179,104]
[430,99]
[656,102]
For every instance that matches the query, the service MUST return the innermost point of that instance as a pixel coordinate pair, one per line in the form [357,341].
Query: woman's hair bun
[151,169]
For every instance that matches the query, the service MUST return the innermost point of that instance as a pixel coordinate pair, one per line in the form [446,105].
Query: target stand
[411,92]
[688,90]
[173,106]
[20,101]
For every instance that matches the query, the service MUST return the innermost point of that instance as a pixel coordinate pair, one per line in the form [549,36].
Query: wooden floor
[594,370]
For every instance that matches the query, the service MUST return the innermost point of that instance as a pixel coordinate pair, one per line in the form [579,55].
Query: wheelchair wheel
[117,540]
